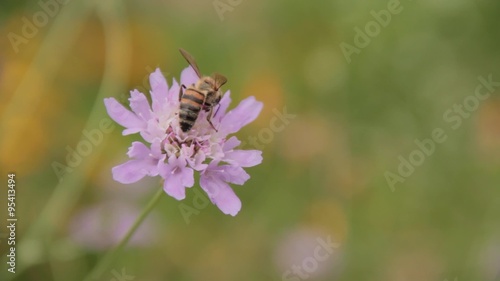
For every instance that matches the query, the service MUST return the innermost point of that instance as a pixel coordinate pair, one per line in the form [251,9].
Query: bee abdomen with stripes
[191,103]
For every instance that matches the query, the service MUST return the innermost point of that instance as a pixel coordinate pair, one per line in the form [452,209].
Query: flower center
[172,145]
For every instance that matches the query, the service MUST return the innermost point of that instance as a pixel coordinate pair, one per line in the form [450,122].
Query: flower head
[175,155]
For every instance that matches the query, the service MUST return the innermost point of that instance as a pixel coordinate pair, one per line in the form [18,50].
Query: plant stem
[110,257]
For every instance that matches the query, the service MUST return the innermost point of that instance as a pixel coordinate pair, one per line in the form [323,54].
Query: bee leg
[180,91]
[217,110]
[209,119]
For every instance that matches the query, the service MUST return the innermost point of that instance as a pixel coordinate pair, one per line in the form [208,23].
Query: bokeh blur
[389,169]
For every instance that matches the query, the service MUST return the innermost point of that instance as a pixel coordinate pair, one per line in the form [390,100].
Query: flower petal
[130,171]
[196,162]
[221,194]
[173,187]
[189,76]
[223,105]
[244,113]
[156,146]
[143,163]
[138,150]
[187,177]
[159,89]
[177,177]
[243,158]
[233,174]
[123,116]
[152,131]
[231,143]
[173,93]
[140,105]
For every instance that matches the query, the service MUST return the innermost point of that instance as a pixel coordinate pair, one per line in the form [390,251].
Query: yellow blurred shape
[349,177]
[268,88]
[488,130]
[85,63]
[241,247]
[150,50]
[328,216]
[310,136]
[26,139]
[415,263]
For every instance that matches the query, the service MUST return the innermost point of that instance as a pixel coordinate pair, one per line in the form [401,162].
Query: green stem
[111,256]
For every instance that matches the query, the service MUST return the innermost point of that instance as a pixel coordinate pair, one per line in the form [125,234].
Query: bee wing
[219,80]
[191,61]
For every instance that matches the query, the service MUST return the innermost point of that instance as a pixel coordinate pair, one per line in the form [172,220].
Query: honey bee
[202,95]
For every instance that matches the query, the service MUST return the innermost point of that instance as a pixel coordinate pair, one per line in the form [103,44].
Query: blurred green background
[324,175]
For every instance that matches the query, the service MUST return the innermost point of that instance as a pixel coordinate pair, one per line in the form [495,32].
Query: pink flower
[175,155]
[103,225]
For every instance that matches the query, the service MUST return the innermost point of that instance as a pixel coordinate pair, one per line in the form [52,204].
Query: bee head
[218,96]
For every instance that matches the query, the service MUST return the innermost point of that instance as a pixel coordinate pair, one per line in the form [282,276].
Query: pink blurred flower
[304,253]
[103,225]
